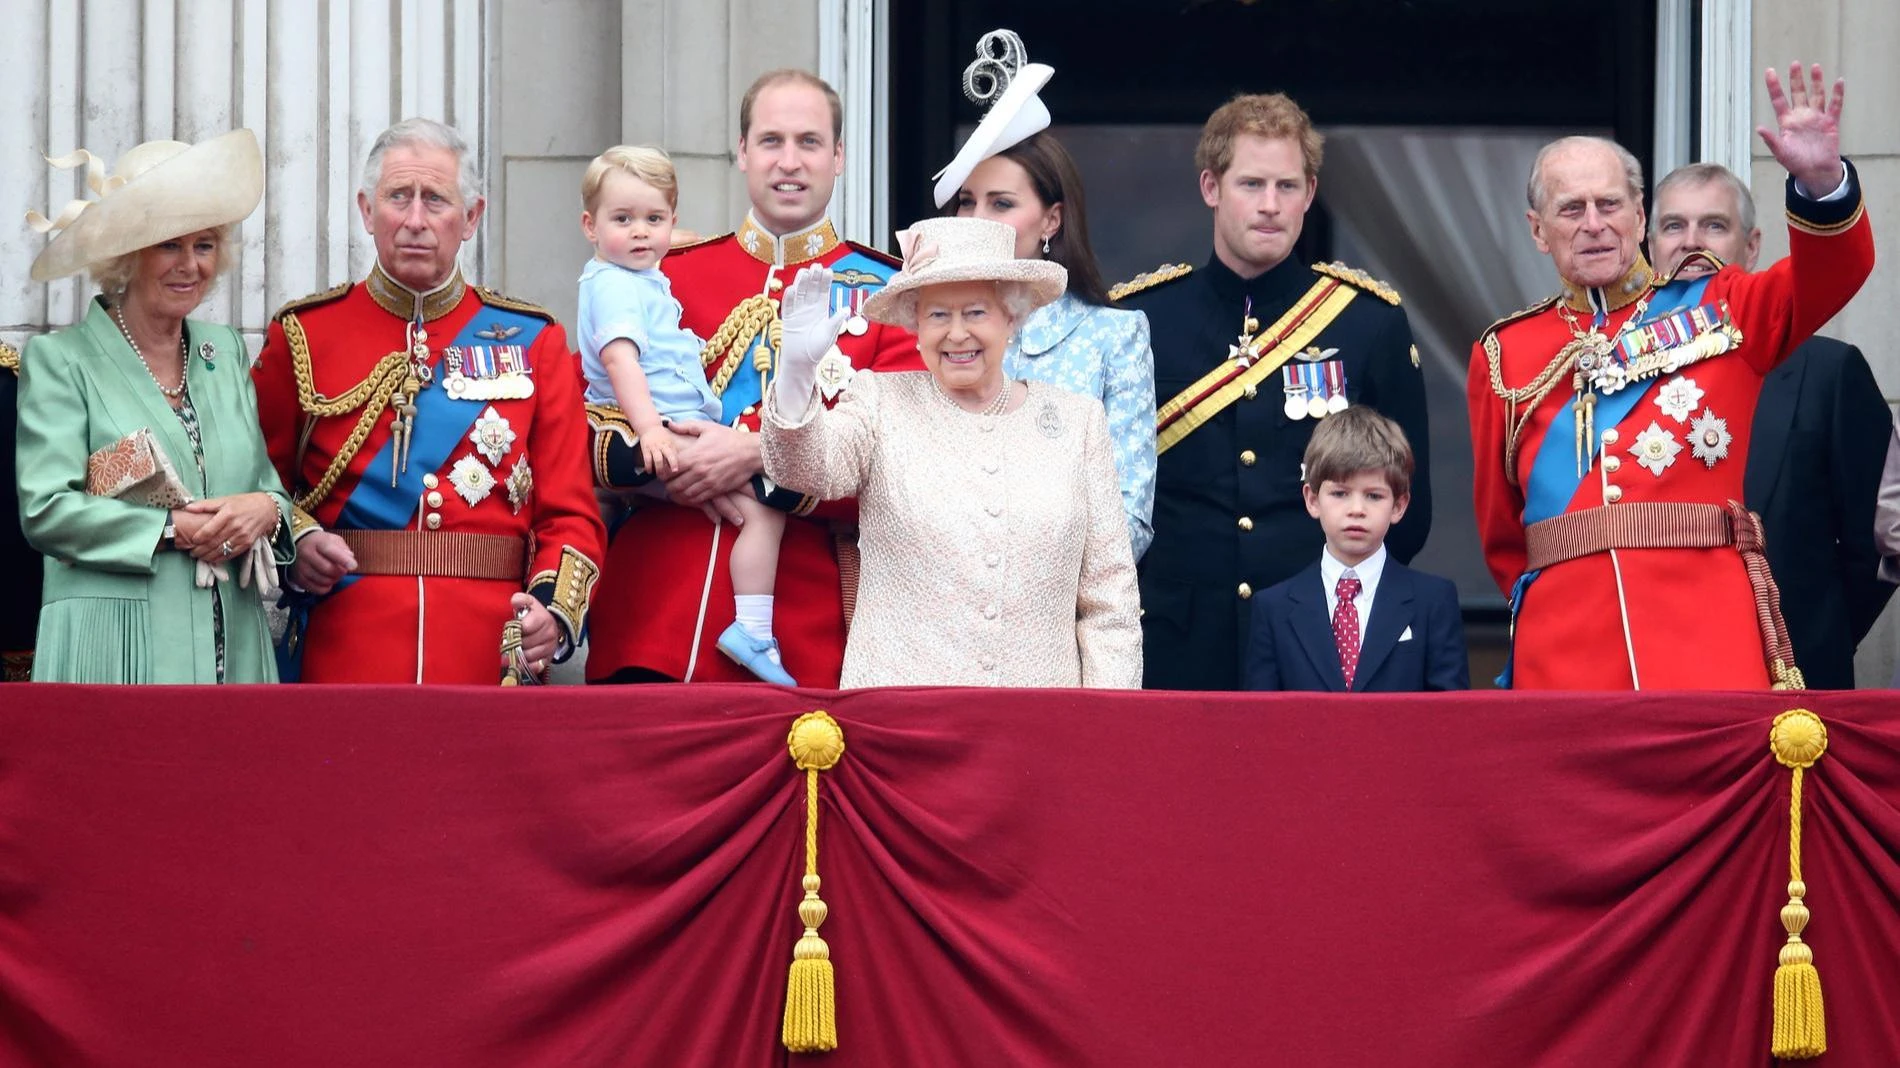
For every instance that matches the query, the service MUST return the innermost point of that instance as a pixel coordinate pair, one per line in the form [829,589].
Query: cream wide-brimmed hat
[158,190]
[943,250]
[1002,77]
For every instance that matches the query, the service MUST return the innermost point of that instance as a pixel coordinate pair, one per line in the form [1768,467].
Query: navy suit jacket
[1815,454]
[1291,645]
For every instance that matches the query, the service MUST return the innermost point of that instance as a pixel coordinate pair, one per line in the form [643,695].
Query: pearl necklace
[170,393]
[995,407]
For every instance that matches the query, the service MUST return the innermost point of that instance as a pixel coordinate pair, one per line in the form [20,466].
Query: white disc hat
[1002,77]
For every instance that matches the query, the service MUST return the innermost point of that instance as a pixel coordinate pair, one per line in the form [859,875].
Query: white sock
[754,612]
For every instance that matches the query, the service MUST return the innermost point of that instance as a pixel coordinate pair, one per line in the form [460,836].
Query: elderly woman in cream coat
[994,551]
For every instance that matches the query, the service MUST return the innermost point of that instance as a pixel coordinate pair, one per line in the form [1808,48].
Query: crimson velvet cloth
[390,876]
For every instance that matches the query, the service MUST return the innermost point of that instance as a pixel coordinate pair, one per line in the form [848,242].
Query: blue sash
[441,423]
[848,290]
[1554,477]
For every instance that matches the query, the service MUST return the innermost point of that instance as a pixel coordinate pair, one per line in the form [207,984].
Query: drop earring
[1045,247]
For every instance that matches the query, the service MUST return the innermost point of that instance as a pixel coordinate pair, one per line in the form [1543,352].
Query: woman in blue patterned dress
[1080,342]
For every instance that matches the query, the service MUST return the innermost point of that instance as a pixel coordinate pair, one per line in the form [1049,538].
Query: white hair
[1015,297]
[426,133]
[1536,192]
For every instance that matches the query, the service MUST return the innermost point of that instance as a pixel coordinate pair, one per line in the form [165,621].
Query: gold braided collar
[407,304]
[796,247]
[1627,290]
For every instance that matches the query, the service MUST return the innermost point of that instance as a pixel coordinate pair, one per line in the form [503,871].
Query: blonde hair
[645,162]
[1269,115]
[1359,439]
[113,275]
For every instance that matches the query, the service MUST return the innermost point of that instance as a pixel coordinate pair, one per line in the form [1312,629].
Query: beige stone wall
[571,79]
[1857,39]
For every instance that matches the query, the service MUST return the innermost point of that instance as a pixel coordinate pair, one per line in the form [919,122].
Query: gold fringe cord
[811,1016]
[1797,739]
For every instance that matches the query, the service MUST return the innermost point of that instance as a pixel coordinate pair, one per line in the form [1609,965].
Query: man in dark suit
[1306,632]
[1251,352]
[1816,446]
[20,589]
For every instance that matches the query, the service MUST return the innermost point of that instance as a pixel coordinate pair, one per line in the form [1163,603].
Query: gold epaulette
[1355,277]
[9,358]
[1538,308]
[314,299]
[1167,272]
[698,242]
[877,254]
[499,300]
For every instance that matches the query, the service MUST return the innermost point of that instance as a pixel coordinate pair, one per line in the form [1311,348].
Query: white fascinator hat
[1002,77]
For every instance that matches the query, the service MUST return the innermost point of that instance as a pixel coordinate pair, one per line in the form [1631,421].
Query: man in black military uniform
[20,590]
[1250,352]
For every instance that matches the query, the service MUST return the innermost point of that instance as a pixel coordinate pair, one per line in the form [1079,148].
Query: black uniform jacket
[1815,455]
[1228,515]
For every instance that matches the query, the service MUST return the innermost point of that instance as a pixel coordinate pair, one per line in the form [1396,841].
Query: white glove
[259,569]
[210,574]
[810,329]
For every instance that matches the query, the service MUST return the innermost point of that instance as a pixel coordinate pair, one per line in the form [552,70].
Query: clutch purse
[135,469]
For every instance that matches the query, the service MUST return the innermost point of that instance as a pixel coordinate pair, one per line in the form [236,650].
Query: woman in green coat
[136,590]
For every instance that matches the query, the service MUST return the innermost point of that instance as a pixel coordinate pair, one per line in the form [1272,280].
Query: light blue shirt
[1102,353]
[638,306]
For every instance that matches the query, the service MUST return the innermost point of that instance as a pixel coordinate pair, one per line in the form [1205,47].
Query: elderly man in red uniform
[1610,423]
[666,592]
[433,435]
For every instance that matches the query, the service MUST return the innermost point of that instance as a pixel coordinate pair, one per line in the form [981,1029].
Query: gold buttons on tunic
[429,482]
[1246,591]
[1250,392]
[775,284]
[433,521]
[1610,436]
[1612,464]
[1247,458]
[433,500]
[1246,522]
[1613,494]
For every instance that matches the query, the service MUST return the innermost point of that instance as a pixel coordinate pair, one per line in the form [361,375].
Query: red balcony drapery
[381,876]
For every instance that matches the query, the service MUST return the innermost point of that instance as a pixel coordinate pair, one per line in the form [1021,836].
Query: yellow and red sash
[1274,346]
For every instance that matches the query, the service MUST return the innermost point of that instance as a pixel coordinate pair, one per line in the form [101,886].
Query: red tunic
[396,628]
[1690,613]
[665,561]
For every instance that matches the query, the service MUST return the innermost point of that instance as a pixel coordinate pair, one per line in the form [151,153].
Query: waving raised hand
[1807,138]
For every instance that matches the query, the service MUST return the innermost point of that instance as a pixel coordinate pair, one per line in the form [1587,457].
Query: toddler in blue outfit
[637,355]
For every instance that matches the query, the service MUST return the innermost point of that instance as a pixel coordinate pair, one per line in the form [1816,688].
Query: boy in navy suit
[1358,620]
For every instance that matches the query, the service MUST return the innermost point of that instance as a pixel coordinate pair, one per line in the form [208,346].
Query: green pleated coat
[116,607]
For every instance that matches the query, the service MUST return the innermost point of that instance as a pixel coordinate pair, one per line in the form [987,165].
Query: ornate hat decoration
[1002,77]
[960,250]
[159,190]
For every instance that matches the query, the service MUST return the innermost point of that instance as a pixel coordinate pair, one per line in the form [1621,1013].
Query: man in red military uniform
[1610,423]
[433,435]
[665,592]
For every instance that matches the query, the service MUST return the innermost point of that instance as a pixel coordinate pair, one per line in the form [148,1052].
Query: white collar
[1368,572]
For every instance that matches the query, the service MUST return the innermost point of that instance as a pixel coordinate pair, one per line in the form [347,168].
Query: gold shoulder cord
[1529,396]
[371,395]
[726,348]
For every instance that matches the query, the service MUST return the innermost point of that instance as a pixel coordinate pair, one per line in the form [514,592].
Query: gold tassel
[1797,739]
[811,1015]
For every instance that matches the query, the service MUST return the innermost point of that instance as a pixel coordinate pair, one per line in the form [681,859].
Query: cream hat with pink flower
[943,250]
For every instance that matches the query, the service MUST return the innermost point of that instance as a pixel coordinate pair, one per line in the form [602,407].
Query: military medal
[488,372]
[492,436]
[1678,398]
[1316,406]
[856,324]
[1336,385]
[520,483]
[472,479]
[833,374]
[1709,438]
[1294,386]
[1241,351]
[1655,449]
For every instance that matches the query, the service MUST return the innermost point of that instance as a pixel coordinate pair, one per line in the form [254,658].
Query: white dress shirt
[1367,571]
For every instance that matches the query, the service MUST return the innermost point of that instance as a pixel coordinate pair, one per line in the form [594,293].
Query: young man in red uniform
[433,435]
[665,592]
[1610,424]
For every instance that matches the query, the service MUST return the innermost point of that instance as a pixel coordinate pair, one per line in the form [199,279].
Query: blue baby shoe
[759,657]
